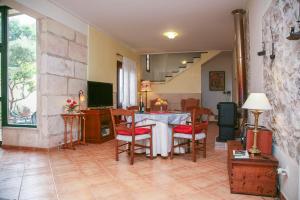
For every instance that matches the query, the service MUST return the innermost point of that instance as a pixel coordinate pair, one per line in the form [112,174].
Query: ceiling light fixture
[171,34]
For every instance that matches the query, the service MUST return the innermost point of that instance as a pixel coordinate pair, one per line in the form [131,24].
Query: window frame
[4,71]
[119,67]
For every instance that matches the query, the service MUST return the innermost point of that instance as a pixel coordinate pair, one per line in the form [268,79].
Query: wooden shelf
[98,126]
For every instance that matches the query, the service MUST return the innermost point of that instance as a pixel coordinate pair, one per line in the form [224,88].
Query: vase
[161,108]
[70,111]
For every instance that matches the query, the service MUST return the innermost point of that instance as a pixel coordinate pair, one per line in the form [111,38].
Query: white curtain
[128,83]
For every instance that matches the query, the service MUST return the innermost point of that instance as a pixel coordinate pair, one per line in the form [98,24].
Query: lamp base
[254,151]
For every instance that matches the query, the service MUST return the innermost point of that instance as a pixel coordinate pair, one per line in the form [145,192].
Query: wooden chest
[256,175]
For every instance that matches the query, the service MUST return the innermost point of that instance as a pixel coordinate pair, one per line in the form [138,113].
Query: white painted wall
[289,184]
[222,62]
[256,9]
[49,9]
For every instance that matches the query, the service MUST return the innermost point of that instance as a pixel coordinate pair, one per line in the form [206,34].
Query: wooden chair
[191,108]
[194,131]
[154,107]
[129,133]
[190,102]
[134,108]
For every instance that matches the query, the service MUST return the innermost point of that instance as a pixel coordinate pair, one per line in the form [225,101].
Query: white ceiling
[201,24]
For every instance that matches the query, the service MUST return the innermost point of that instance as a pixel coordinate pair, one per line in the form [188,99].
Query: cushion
[138,131]
[198,136]
[128,138]
[187,129]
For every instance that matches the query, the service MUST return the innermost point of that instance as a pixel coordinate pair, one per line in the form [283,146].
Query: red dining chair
[127,133]
[134,108]
[188,103]
[195,132]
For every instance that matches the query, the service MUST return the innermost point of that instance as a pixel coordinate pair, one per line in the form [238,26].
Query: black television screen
[100,94]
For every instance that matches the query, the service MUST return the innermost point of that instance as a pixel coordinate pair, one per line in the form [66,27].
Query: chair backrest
[191,108]
[134,108]
[116,115]
[200,119]
[154,107]
[190,102]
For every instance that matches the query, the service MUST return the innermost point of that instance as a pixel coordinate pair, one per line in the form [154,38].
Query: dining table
[162,131]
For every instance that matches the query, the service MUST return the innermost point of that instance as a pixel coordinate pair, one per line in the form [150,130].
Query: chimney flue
[239,44]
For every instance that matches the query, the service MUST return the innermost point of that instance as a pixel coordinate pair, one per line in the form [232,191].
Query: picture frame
[217,80]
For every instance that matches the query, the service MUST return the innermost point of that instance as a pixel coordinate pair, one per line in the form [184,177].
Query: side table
[256,175]
[68,120]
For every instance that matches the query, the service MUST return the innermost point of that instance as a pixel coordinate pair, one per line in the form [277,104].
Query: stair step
[168,76]
[157,81]
[196,57]
[190,62]
[175,71]
[182,67]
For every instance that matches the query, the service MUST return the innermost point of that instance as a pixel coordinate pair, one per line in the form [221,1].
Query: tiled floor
[90,172]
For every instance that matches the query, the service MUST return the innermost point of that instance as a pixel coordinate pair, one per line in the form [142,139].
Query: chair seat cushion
[186,129]
[138,131]
[198,136]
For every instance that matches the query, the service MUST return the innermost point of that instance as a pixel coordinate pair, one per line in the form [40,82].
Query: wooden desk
[68,120]
[256,175]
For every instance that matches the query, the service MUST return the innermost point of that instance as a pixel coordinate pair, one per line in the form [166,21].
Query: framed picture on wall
[217,80]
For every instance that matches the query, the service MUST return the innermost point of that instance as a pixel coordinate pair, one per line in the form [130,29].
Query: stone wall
[282,75]
[63,73]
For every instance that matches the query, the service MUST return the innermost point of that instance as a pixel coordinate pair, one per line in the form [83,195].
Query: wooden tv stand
[98,125]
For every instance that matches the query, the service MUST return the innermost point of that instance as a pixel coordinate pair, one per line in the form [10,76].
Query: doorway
[221,63]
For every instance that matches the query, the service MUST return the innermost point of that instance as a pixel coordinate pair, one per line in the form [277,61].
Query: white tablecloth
[162,132]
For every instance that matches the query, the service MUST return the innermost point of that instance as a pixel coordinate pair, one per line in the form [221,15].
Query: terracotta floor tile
[178,189]
[10,182]
[91,173]
[38,192]
[197,196]
[107,189]
[153,193]
[37,171]
[70,185]
[82,194]
[9,193]
[37,180]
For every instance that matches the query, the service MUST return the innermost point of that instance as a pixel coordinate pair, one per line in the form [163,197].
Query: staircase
[171,73]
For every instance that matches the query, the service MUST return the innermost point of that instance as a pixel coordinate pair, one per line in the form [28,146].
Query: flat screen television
[99,94]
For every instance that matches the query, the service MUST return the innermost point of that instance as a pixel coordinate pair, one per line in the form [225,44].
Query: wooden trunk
[256,175]
[98,126]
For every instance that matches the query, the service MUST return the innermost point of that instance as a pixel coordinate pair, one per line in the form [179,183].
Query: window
[119,84]
[127,83]
[18,69]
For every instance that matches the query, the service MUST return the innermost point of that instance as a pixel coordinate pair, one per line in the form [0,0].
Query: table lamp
[146,87]
[81,98]
[256,103]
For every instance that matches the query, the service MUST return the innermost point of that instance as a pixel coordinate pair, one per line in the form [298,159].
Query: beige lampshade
[257,101]
[81,98]
[145,86]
